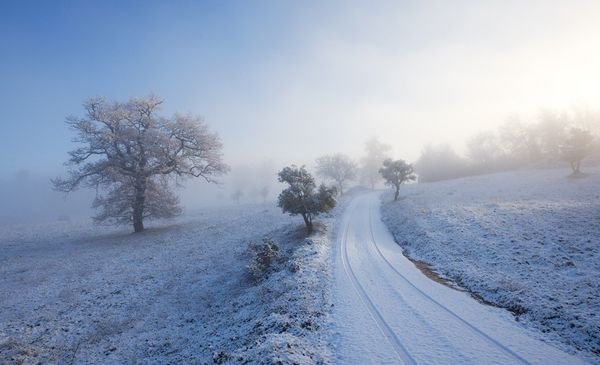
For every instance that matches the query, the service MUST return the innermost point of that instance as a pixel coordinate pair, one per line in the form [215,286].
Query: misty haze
[271,182]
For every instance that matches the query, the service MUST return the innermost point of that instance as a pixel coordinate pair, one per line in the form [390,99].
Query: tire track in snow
[440,305]
[387,331]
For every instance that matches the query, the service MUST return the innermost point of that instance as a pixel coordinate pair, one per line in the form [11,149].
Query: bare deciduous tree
[440,162]
[376,153]
[302,197]
[395,173]
[133,155]
[339,168]
[519,142]
[577,146]
[484,149]
[551,134]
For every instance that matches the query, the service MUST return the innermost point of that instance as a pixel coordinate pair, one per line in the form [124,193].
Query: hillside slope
[528,241]
[177,293]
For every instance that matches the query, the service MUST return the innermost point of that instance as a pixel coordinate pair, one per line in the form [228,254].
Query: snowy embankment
[177,293]
[528,241]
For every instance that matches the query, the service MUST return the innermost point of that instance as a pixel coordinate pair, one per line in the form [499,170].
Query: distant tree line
[133,157]
[554,139]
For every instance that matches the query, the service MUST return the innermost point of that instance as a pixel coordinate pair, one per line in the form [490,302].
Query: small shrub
[221,357]
[264,255]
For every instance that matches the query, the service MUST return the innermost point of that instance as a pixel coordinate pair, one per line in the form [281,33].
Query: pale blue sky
[199,56]
[289,80]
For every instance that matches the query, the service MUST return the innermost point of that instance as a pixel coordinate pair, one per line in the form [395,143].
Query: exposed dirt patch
[428,271]
[431,274]
[524,240]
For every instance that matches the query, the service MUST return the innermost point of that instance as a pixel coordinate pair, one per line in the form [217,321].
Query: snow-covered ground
[181,292]
[528,241]
[387,312]
[177,293]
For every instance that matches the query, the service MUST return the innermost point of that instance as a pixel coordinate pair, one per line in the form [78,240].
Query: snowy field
[178,293]
[528,241]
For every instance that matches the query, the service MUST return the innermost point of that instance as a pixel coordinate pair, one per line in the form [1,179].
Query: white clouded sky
[433,72]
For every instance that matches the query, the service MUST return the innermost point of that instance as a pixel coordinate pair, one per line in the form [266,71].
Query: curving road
[387,312]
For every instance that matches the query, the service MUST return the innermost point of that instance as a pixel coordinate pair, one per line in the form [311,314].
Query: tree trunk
[308,223]
[138,205]
[397,193]
[138,220]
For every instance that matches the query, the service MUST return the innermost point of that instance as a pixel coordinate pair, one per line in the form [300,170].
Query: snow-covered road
[387,312]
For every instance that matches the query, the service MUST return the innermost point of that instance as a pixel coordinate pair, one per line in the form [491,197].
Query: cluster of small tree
[552,140]
[302,197]
[341,170]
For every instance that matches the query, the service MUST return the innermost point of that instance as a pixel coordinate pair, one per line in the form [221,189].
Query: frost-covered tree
[302,196]
[518,142]
[375,153]
[440,162]
[576,147]
[395,173]
[339,168]
[132,155]
[484,149]
[551,133]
